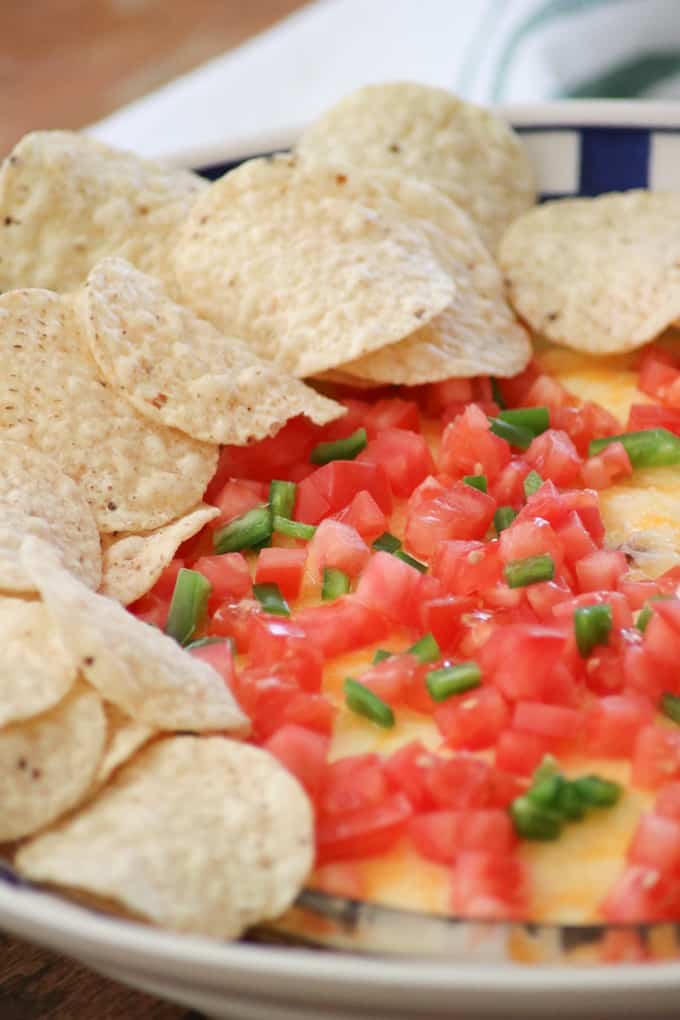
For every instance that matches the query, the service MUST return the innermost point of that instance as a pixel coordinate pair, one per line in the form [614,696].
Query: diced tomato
[330,488]
[521,753]
[640,894]
[364,514]
[575,540]
[392,413]
[438,396]
[436,834]
[489,829]
[165,585]
[235,499]
[272,698]
[551,721]
[269,458]
[465,568]
[353,419]
[393,588]
[234,620]
[284,567]
[488,886]
[622,615]
[658,374]
[151,609]
[303,753]
[613,723]
[228,574]
[363,833]
[638,592]
[337,545]
[220,657]
[653,416]
[508,489]
[604,672]
[656,844]
[441,617]
[390,678]
[623,945]
[662,634]
[669,582]
[514,390]
[545,596]
[600,471]
[554,456]
[601,570]
[468,447]
[522,660]
[642,673]
[457,511]
[668,802]
[343,625]
[353,783]
[404,456]
[474,721]
[530,538]
[406,770]
[585,423]
[545,391]
[341,878]
[463,781]
[656,757]
[274,641]
[586,503]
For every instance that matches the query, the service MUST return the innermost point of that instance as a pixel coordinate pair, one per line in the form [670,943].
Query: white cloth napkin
[486,50]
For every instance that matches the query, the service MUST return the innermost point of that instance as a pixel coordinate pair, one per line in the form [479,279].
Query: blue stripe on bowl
[604,158]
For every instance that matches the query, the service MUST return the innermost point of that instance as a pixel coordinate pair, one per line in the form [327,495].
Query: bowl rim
[64,926]
[561,115]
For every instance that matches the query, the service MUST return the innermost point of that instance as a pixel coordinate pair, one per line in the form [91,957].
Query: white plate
[577,148]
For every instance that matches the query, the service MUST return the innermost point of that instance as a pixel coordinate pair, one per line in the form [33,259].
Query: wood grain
[65,63]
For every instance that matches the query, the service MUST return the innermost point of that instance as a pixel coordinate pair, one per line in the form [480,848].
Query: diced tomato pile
[539,693]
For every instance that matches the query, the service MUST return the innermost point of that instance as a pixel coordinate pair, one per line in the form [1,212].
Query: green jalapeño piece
[516,435]
[270,598]
[340,449]
[335,584]
[535,419]
[282,498]
[649,448]
[449,680]
[532,570]
[245,532]
[532,483]
[188,606]
[364,702]
[592,625]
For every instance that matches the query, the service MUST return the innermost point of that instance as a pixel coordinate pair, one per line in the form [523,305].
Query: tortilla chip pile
[148,317]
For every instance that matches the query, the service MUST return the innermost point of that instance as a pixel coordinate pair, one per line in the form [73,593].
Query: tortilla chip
[178,370]
[477,333]
[47,763]
[600,275]
[35,670]
[125,737]
[309,283]
[199,835]
[67,201]
[133,665]
[133,563]
[135,475]
[466,152]
[36,498]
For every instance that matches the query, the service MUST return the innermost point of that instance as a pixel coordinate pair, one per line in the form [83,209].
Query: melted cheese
[570,876]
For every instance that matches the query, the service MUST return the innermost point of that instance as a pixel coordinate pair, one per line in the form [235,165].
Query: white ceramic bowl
[577,148]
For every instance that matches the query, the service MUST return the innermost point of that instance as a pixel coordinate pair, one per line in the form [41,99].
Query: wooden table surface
[65,63]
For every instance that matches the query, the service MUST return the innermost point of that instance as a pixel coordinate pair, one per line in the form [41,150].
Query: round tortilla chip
[135,475]
[67,201]
[179,370]
[198,835]
[466,152]
[477,333]
[134,665]
[36,498]
[309,282]
[47,764]
[133,563]
[600,275]
[125,737]
[35,670]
